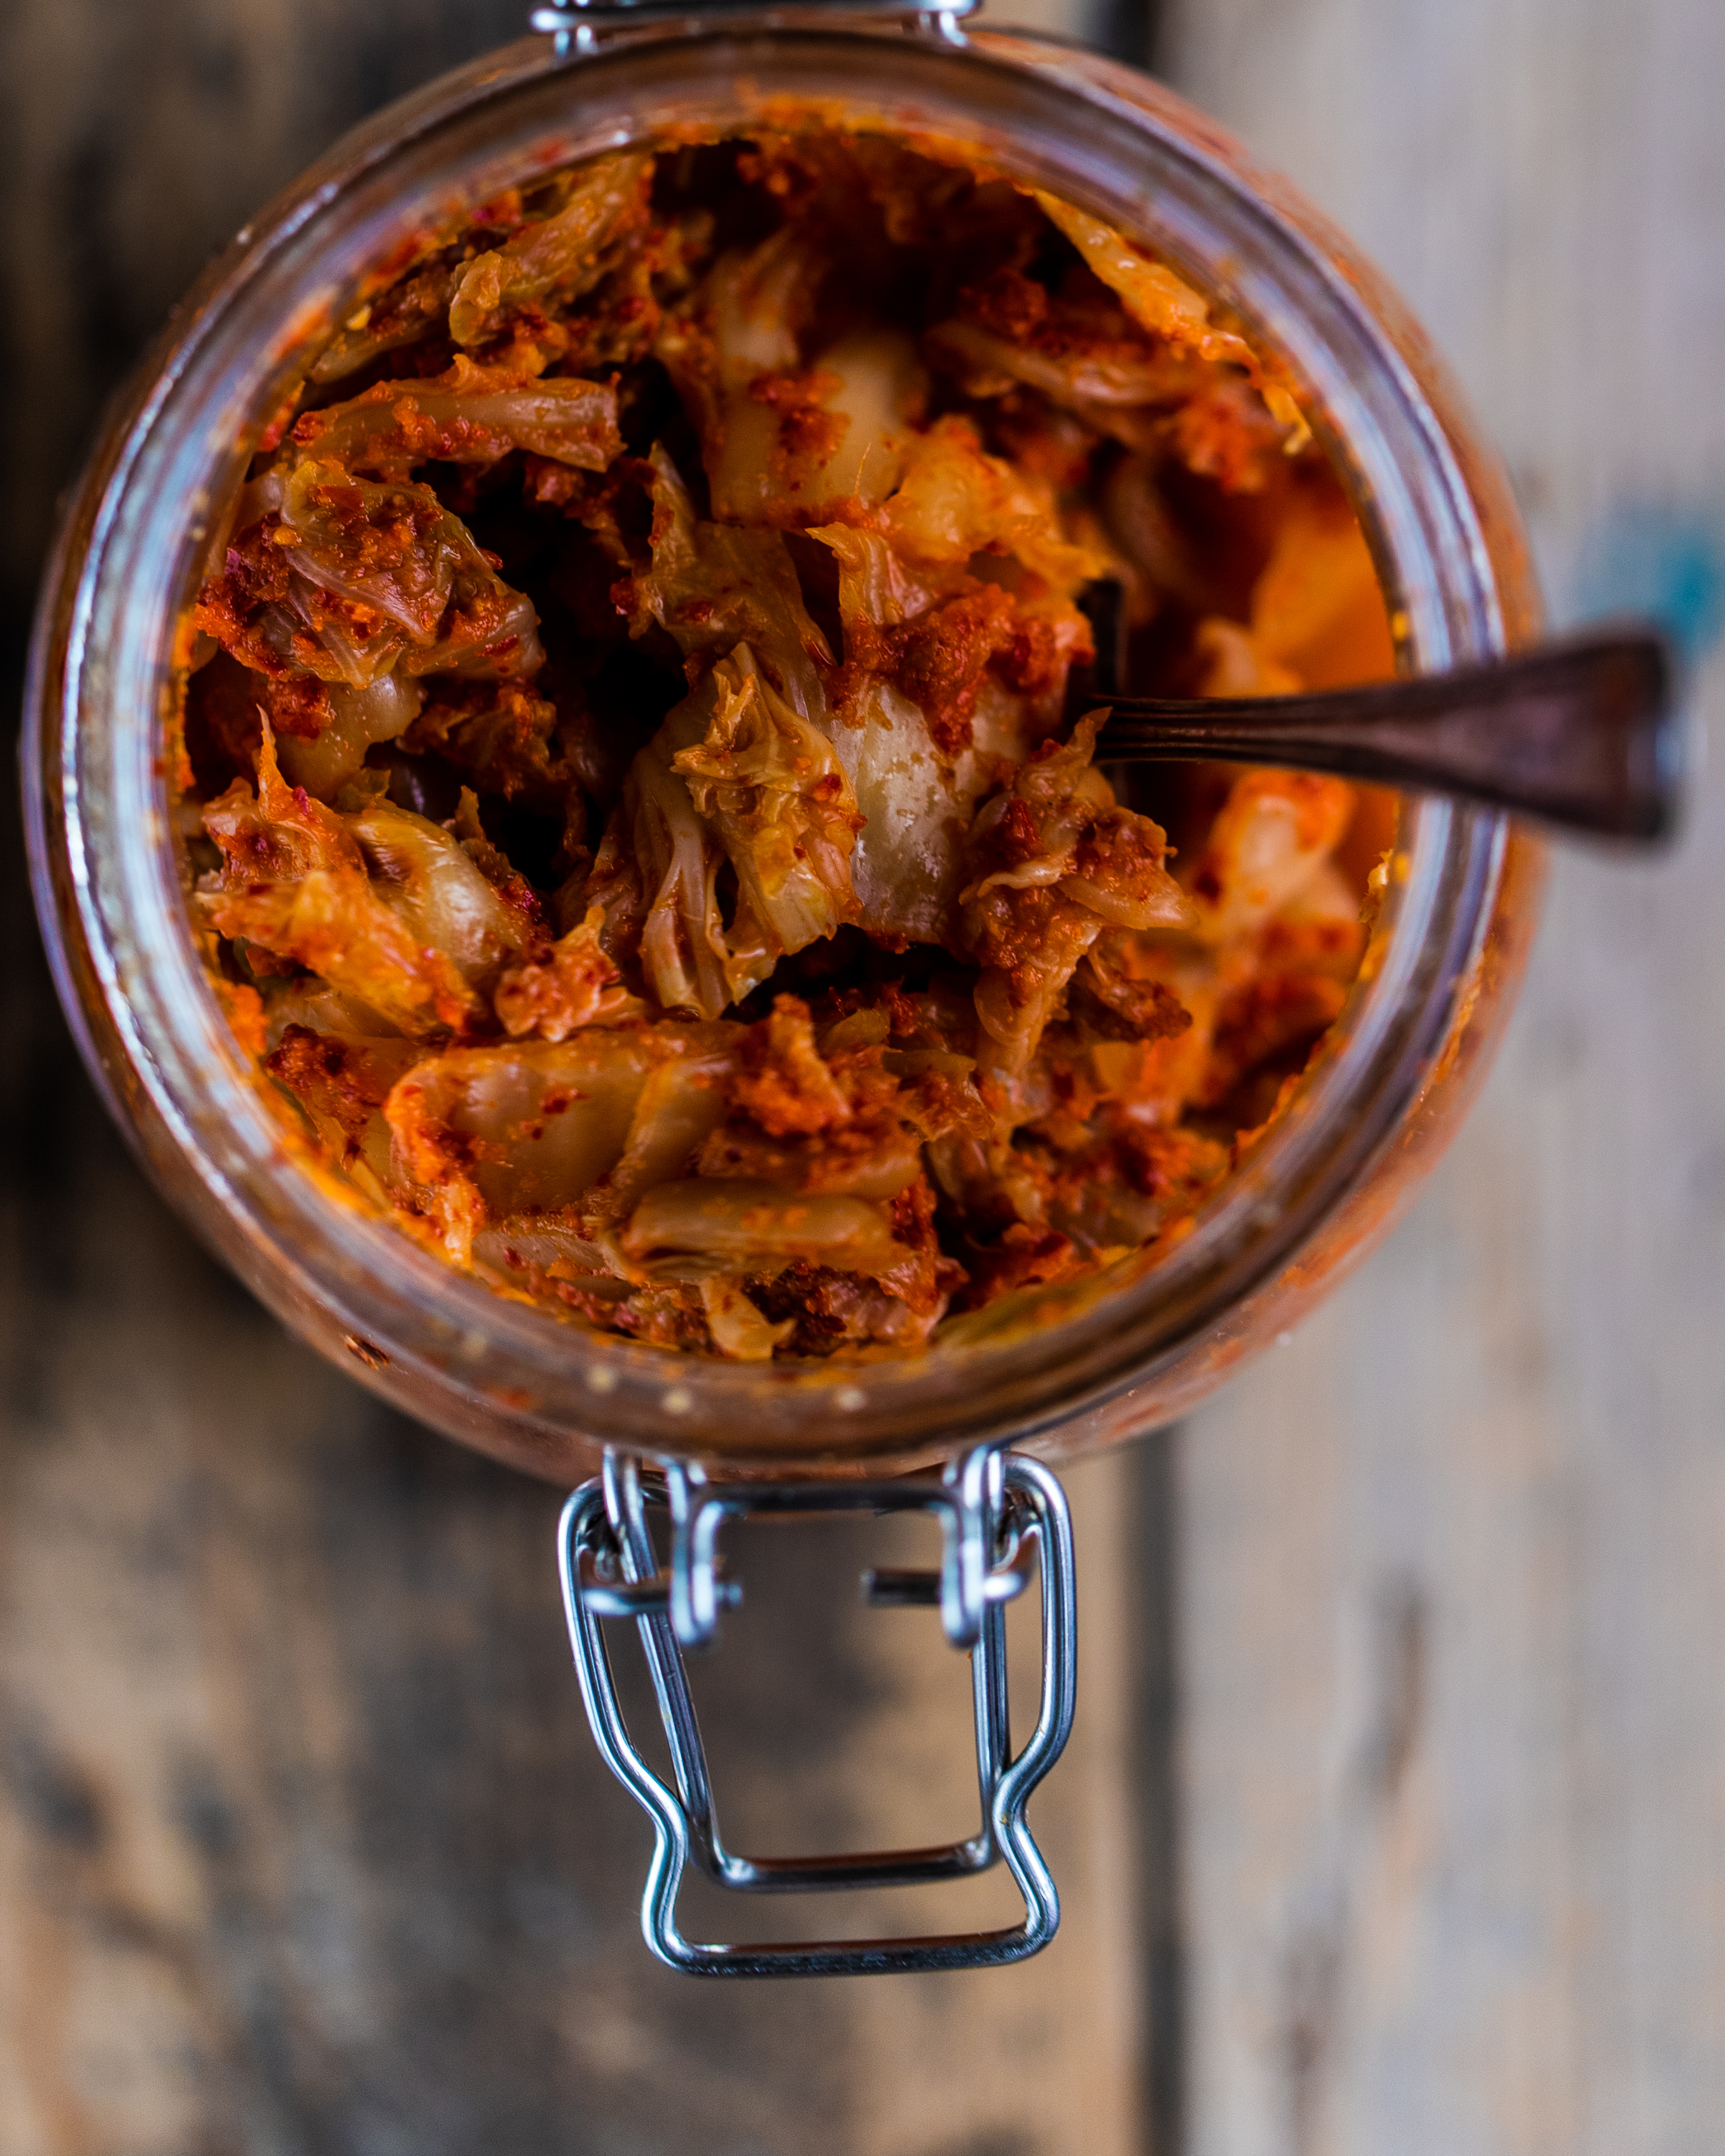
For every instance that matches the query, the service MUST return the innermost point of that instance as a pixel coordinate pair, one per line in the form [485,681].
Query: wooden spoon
[1580,734]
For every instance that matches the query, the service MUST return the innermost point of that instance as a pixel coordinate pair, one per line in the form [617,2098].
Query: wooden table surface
[1454,1566]
[1394,1820]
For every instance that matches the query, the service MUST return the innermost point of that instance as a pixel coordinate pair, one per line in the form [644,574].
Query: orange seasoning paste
[648,822]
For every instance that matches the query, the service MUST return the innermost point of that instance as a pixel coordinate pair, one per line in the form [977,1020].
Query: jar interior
[1019,1367]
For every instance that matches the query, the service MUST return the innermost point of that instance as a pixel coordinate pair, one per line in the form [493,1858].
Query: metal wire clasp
[577,24]
[996,1510]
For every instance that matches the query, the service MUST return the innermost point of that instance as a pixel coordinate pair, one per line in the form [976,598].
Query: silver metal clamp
[997,1511]
[577,25]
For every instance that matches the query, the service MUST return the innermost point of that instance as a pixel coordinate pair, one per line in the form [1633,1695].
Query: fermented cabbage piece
[471,415]
[715,586]
[788,436]
[560,256]
[556,992]
[681,1229]
[347,580]
[385,906]
[509,1132]
[771,789]
[642,725]
[1055,863]
[349,722]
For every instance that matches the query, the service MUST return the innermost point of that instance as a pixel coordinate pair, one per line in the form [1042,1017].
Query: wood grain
[1455,1746]
[304,1844]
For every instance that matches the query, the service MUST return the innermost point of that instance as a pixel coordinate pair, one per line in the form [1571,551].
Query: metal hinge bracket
[996,1510]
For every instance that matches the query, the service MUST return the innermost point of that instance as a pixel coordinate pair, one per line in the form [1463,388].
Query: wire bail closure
[576,25]
[995,1509]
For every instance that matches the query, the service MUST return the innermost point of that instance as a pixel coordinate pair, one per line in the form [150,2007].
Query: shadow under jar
[1058,1369]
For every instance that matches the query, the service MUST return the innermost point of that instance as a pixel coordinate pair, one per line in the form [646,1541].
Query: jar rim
[105,868]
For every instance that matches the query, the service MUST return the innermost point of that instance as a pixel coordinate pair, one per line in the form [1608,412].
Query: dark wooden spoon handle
[1581,734]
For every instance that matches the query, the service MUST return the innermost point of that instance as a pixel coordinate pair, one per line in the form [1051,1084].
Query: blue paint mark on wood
[1657,559]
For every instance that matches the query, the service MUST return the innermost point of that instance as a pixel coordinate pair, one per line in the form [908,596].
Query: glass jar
[1086,1363]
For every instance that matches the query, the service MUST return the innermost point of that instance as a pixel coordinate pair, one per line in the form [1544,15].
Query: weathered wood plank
[1456,1745]
[304,1844]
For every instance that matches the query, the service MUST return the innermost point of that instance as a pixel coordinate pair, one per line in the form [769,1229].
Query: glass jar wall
[1089,1362]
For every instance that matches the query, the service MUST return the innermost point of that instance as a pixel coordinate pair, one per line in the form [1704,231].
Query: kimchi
[641,746]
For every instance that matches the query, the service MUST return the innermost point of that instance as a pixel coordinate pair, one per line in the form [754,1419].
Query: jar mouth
[1092,132]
